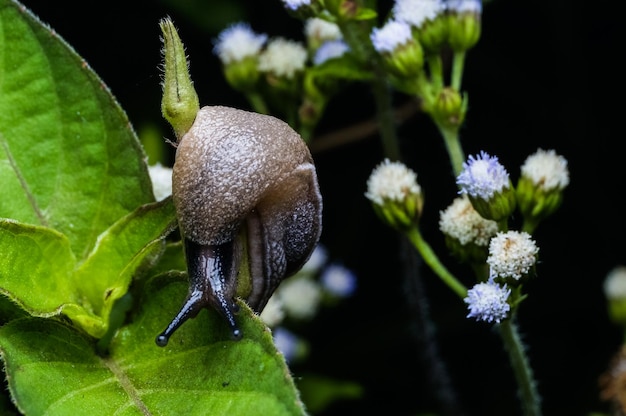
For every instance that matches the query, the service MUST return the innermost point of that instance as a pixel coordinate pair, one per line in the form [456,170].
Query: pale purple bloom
[329,50]
[286,342]
[390,36]
[416,12]
[296,4]
[461,6]
[488,302]
[482,176]
[338,280]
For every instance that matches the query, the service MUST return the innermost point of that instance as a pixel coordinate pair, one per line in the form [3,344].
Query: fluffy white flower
[416,12]
[283,58]
[512,254]
[391,181]
[321,30]
[390,36]
[300,297]
[615,283]
[461,222]
[237,42]
[546,170]
[161,177]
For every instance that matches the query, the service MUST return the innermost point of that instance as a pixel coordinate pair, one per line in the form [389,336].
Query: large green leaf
[69,159]
[53,370]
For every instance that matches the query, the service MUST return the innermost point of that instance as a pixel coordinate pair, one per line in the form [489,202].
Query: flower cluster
[488,302]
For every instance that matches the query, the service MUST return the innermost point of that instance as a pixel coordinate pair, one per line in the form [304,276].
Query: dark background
[545,74]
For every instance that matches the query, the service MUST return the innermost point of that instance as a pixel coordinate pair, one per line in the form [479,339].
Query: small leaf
[200,372]
[69,159]
[118,254]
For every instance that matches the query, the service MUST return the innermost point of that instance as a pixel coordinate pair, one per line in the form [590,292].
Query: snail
[246,195]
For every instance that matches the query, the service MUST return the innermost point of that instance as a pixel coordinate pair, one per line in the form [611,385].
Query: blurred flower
[488,302]
[329,50]
[318,31]
[316,261]
[488,186]
[391,36]
[300,297]
[161,177]
[416,12]
[615,291]
[338,280]
[464,23]
[273,313]
[283,58]
[289,344]
[237,42]
[296,4]
[461,221]
[462,6]
[512,254]
[396,195]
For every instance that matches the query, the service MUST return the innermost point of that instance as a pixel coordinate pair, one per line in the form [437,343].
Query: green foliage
[81,238]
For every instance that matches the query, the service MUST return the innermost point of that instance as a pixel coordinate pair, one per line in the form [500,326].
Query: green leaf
[132,242]
[53,370]
[69,159]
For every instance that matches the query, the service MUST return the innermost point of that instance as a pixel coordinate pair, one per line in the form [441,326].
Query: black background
[545,74]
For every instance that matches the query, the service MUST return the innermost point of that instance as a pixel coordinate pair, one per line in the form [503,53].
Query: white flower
[237,42]
[391,181]
[546,170]
[461,6]
[321,30]
[296,4]
[300,297]
[512,254]
[488,302]
[283,58]
[615,283]
[483,176]
[329,50]
[161,177]
[338,280]
[390,36]
[416,12]
[461,222]
[273,313]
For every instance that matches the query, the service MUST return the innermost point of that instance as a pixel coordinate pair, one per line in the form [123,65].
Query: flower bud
[464,24]
[487,184]
[401,53]
[544,176]
[449,108]
[427,20]
[395,194]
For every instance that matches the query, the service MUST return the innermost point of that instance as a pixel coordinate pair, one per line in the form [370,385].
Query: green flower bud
[449,108]
[464,25]
[498,207]
[180,103]
[401,53]
[433,34]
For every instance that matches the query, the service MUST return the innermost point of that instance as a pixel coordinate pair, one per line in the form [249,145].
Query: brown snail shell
[242,176]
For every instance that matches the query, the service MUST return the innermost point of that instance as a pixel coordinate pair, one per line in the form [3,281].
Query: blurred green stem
[257,102]
[453,145]
[458,62]
[522,370]
[433,262]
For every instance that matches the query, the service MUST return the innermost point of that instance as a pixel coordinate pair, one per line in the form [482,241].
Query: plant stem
[522,370]
[385,117]
[458,61]
[433,262]
[257,102]
[453,145]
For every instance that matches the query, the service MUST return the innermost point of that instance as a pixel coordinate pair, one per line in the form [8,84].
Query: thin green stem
[385,118]
[453,145]
[458,62]
[435,67]
[433,262]
[522,370]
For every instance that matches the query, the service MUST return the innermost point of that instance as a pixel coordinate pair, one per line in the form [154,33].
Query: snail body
[245,190]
